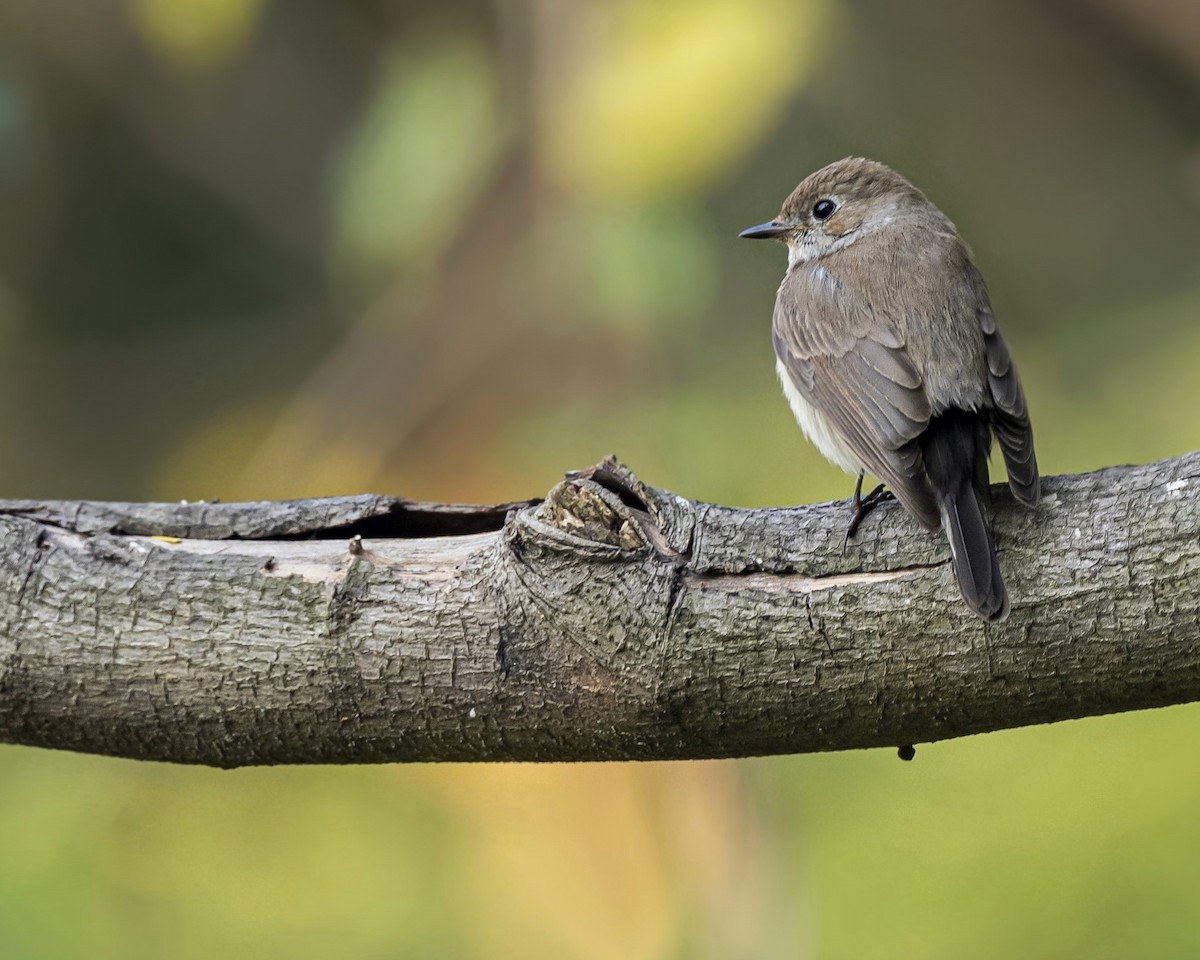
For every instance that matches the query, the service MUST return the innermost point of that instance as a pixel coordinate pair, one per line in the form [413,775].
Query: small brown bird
[892,362]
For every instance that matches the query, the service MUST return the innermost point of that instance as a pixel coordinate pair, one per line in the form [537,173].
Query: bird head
[839,205]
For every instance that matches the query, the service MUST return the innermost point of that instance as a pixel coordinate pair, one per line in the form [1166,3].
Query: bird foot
[864,505]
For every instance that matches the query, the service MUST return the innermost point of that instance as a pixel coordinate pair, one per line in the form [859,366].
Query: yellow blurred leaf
[196,33]
[665,96]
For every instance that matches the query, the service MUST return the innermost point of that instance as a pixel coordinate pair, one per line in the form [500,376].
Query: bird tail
[955,448]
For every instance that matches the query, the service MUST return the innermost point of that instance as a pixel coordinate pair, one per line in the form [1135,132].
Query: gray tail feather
[955,448]
[973,552]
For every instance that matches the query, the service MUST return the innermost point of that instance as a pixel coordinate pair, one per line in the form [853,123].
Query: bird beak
[765,231]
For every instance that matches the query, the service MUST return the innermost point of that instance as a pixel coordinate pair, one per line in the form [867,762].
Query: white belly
[816,426]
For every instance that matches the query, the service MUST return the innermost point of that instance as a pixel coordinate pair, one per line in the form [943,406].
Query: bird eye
[823,209]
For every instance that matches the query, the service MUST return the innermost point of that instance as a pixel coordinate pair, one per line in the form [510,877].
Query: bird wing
[852,364]
[1010,416]
[1008,412]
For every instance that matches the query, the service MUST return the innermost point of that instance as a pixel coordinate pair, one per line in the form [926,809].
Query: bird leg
[864,505]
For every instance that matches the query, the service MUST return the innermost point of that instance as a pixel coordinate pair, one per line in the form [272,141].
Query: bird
[889,355]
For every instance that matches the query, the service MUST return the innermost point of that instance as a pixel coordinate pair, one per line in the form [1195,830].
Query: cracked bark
[609,621]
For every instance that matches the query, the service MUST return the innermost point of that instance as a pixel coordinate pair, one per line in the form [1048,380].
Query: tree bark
[609,621]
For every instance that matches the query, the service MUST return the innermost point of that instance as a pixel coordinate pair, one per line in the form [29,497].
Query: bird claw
[864,505]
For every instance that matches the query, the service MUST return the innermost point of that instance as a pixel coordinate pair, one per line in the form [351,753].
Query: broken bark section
[367,515]
[612,620]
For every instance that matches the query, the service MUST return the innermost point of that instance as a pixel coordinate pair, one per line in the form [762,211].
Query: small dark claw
[876,497]
[864,505]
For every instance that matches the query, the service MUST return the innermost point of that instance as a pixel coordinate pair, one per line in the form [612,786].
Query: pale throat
[797,253]
[802,248]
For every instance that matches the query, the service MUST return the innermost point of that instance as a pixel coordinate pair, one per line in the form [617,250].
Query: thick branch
[612,621]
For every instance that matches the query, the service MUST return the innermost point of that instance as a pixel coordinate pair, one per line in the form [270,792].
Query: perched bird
[891,360]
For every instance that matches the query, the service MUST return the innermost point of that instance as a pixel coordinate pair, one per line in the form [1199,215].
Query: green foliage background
[256,249]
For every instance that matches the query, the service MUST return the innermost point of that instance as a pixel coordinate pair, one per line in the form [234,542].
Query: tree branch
[611,621]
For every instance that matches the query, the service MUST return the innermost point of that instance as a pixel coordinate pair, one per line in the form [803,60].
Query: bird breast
[816,426]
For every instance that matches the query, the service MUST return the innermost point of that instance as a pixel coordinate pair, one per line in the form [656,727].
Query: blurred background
[256,249]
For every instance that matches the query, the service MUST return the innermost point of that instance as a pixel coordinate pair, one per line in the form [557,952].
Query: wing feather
[1010,416]
[871,392]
